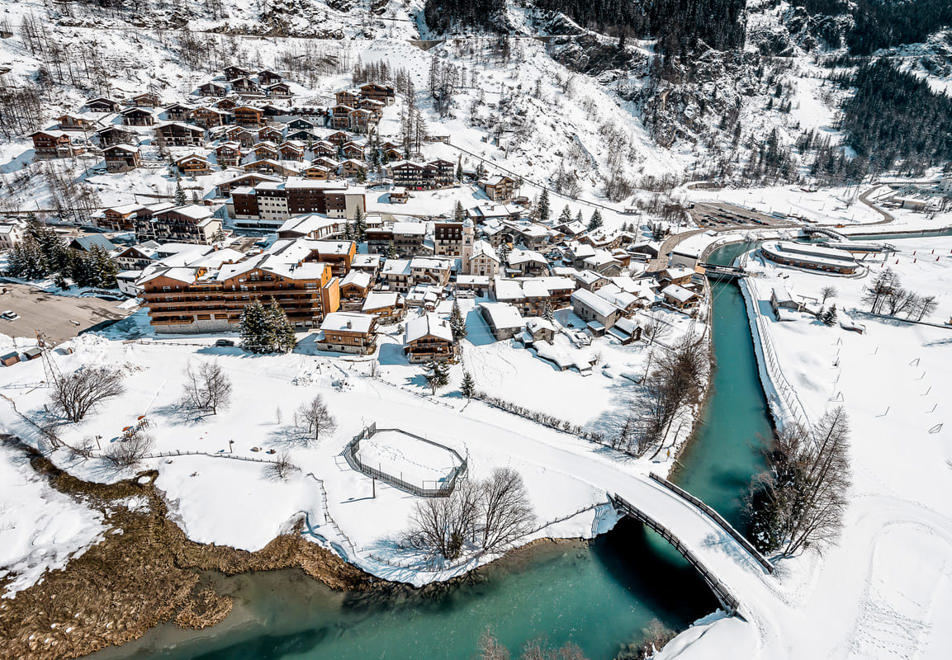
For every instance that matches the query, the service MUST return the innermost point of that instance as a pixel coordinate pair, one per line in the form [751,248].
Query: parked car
[10,315]
[224,342]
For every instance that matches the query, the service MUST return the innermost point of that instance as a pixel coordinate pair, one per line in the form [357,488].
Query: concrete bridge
[738,575]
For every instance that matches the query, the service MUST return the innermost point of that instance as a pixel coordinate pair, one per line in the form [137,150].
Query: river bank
[144,572]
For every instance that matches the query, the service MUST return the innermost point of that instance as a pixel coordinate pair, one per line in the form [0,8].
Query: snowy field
[884,590]
[213,495]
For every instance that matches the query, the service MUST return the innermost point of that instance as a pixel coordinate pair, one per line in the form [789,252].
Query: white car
[10,315]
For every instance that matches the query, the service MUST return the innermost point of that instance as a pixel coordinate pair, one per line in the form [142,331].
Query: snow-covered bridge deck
[737,574]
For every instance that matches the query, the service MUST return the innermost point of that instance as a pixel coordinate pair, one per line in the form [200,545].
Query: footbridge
[736,573]
[724,273]
[824,231]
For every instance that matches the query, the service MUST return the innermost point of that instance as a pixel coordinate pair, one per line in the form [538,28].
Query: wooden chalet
[228,154]
[178,112]
[269,77]
[348,332]
[146,100]
[384,93]
[177,134]
[429,337]
[121,157]
[193,165]
[115,135]
[270,134]
[212,88]
[53,144]
[71,122]
[210,117]
[246,115]
[103,104]
[137,116]
[280,90]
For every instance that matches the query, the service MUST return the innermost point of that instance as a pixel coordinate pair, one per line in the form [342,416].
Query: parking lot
[58,317]
[710,215]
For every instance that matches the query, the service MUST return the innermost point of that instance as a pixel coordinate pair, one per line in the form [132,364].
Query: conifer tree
[459,214]
[360,226]
[254,328]
[457,322]
[437,375]
[468,387]
[180,198]
[544,205]
[280,330]
[596,220]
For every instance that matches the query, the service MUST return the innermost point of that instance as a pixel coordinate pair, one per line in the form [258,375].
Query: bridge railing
[724,596]
[718,518]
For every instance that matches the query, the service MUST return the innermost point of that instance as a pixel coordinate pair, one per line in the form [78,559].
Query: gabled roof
[428,325]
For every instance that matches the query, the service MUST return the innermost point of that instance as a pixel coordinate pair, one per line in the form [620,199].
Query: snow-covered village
[426,329]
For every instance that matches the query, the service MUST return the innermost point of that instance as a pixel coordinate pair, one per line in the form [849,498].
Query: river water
[599,595]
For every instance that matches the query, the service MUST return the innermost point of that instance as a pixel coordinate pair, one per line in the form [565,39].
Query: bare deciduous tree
[487,515]
[280,468]
[77,393]
[826,293]
[314,418]
[799,501]
[207,388]
[127,453]
[505,512]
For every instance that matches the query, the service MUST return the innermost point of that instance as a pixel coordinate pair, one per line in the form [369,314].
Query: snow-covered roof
[409,228]
[380,300]
[396,267]
[678,293]
[428,325]
[594,302]
[502,315]
[357,278]
[525,256]
[483,248]
[348,322]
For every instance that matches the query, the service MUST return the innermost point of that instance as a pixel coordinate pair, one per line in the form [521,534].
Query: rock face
[143,573]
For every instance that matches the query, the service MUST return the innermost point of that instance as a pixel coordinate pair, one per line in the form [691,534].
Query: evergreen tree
[360,226]
[829,316]
[457,322]
[280,330]
[437,375]
[543,208]
[459,214]
[468,387]
[596,220]
[106,268]
[566,215]
[459,169]
[180,198]
[579,218]
[254,328]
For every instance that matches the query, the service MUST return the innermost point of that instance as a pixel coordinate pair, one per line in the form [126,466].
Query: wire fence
[443,488]
[795,410]
[221,454]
